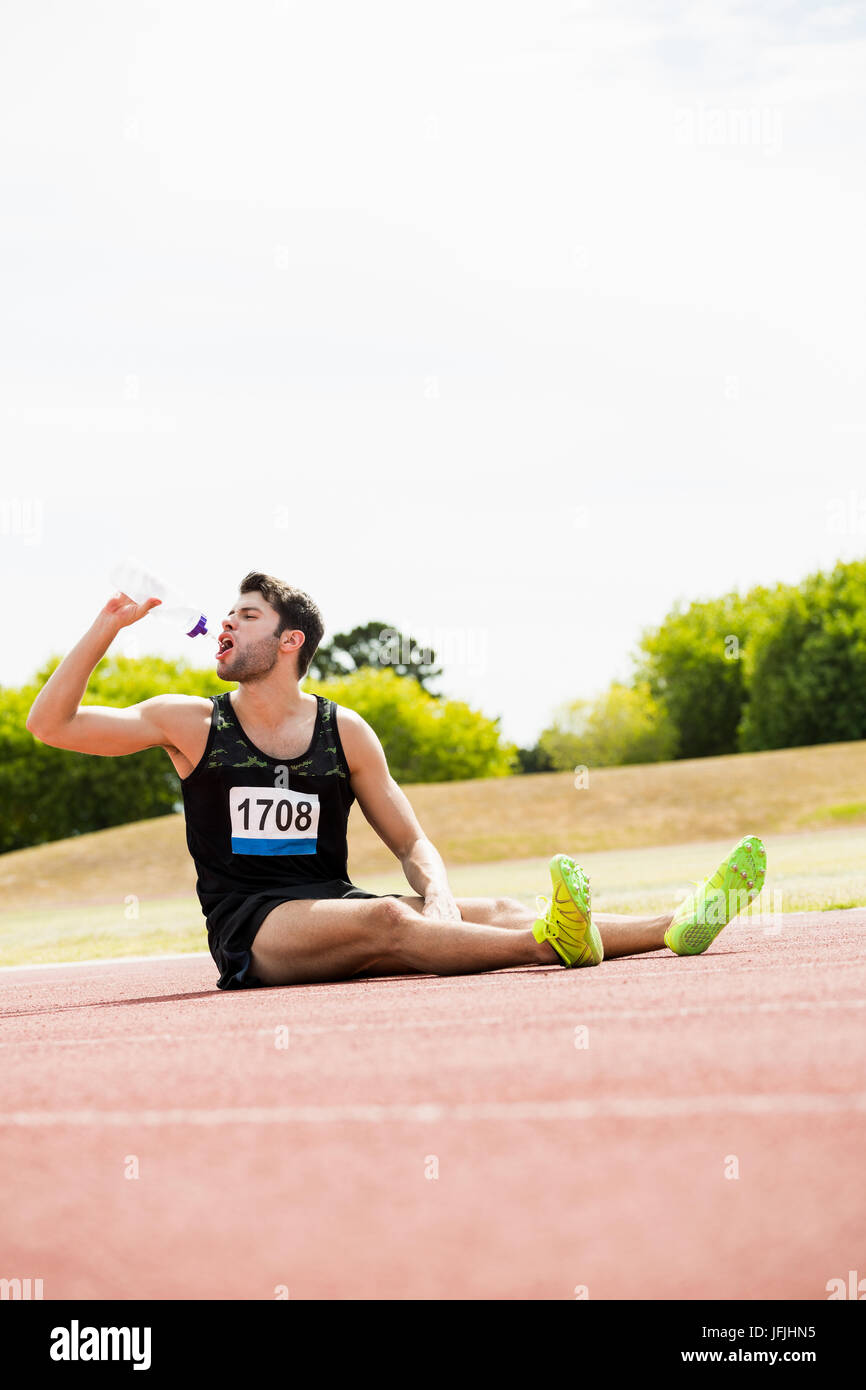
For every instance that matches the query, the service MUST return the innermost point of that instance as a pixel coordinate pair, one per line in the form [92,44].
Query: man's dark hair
[296,610]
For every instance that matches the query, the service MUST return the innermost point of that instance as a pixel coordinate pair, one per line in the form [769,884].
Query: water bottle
[139,584]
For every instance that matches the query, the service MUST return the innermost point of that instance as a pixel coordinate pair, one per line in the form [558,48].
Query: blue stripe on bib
[242,845]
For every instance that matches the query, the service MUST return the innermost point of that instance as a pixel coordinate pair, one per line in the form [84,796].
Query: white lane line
[637,1108]
[768,966]
[690,1010]
[587,1015]
[106,960]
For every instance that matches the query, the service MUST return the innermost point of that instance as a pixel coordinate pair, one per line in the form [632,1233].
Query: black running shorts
[231,928]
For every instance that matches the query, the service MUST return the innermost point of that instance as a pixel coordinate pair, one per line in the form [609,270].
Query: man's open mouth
[227,643]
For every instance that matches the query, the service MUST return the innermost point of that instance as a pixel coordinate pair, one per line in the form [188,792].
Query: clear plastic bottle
[139,584]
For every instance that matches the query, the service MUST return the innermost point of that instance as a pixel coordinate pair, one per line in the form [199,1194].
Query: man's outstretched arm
[388,810]
[56,716]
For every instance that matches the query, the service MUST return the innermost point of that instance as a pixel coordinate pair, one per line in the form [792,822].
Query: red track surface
[305,1166]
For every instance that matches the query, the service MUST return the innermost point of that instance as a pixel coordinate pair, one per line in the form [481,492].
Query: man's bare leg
[631,936]
[620,936]
[316,940]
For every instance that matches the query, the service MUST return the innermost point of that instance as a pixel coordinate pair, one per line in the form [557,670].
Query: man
[268,774]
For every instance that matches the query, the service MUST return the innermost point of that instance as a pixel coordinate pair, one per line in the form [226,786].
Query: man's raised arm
[56,717]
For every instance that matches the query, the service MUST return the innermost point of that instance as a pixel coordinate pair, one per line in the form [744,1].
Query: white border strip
[108,960]
[624,1108]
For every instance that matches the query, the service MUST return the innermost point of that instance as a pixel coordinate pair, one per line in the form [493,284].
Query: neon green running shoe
[567,920]
[713,904]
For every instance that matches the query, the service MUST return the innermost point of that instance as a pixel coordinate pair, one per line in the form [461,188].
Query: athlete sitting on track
[268,774]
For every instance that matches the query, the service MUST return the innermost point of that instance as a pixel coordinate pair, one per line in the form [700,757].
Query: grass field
[642,832]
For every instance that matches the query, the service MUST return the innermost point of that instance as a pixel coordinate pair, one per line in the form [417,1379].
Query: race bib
[273,820]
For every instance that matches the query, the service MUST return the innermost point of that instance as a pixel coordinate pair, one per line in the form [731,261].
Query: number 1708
[282,813]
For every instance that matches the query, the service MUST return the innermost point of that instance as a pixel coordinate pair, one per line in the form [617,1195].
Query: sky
[511,324]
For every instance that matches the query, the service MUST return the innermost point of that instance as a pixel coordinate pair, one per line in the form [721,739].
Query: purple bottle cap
[200,628]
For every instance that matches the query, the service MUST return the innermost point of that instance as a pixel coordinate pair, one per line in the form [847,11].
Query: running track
[558,1166]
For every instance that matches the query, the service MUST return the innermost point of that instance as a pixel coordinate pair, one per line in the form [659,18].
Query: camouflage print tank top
[254,822]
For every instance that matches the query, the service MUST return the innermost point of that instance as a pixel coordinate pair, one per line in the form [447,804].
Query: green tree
[693,665]
[425,739]
[377,645]
[624,725]
[806,663]
[534,759]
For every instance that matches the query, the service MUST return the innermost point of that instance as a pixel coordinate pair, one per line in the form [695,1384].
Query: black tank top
[254,822]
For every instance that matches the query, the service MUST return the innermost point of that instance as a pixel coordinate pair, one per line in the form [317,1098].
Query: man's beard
[255,662]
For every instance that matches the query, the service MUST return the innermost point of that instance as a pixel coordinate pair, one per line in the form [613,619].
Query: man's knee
[391,917]
[510,907]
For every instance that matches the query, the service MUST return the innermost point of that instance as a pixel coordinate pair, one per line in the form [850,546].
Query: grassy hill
[497,819]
